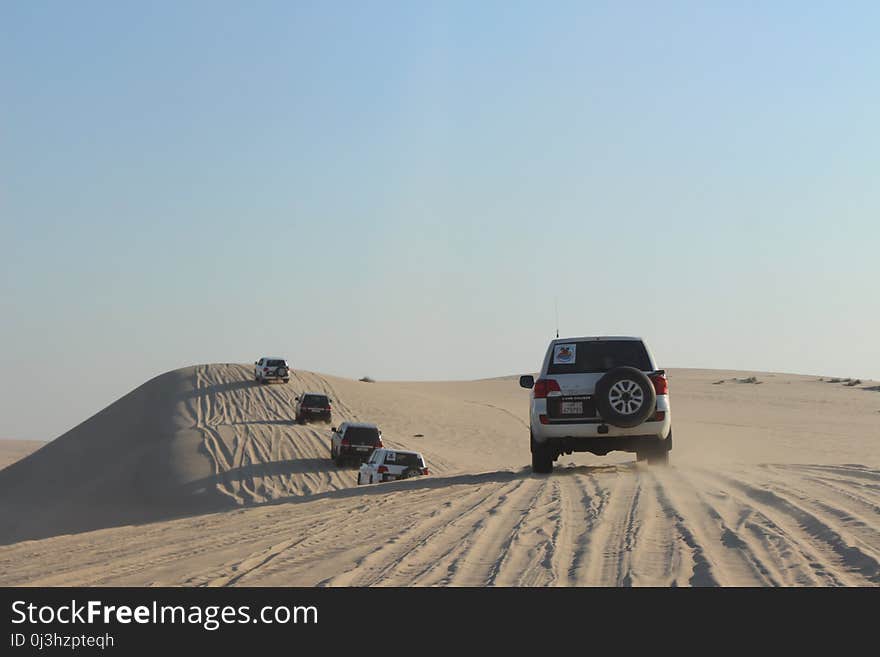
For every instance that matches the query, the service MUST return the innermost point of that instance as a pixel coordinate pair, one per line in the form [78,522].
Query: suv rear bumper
[315,415]
[557,432]
[353,453]
[603,445]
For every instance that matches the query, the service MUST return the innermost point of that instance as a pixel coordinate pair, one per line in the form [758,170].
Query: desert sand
[201,477]
[15,450]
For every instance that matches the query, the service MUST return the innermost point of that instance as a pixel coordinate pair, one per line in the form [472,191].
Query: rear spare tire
[625,397]
[409,473]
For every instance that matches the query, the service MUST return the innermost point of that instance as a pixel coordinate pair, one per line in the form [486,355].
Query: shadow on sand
[201,497]
[223,388]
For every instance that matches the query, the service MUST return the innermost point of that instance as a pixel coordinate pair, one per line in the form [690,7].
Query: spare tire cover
[625,397]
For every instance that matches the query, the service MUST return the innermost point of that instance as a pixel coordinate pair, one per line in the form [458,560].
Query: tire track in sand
[404,557]
[830,556]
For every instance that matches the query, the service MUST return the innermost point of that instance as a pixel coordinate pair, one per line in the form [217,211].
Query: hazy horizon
[89,413]
[404,191]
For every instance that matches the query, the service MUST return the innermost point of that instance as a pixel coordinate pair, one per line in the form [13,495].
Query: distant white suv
[390,465]
[598,394]
[269,368]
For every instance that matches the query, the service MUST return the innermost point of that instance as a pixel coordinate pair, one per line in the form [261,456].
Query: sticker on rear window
[390,457]
[564,354]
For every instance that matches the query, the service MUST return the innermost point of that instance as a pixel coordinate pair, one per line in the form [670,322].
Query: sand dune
[200,477]
[15,450]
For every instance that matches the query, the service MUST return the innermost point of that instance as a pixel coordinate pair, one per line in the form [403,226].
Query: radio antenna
[556,307]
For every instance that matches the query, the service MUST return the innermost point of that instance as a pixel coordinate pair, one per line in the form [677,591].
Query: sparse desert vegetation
[849,382]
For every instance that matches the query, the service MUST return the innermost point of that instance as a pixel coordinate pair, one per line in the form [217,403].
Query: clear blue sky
[401,189]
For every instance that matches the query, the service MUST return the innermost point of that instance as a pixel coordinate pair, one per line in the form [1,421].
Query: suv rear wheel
[542,458]
[656,452]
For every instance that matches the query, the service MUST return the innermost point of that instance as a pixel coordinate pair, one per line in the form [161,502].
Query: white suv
[599,394]
[268,368]
[391,465]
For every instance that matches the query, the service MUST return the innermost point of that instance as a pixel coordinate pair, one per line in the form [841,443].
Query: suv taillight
[345,442]
[378,444]
[545,386]
[382,469]
[661,385]
[425,471]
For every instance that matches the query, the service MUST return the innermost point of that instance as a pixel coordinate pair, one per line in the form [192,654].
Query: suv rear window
[315,400]
[406,460]
[274,363]
[362,435]
[601,356]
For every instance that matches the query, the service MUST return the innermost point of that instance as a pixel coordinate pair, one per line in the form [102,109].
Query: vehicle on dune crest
[271,368]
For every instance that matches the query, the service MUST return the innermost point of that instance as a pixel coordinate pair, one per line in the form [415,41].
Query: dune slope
[191,440]
[15,450]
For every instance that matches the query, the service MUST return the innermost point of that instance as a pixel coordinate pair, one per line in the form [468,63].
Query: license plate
[363,449]
[572,408]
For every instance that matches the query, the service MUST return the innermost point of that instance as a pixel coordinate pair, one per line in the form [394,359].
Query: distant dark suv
[312,406]
[354,441]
